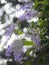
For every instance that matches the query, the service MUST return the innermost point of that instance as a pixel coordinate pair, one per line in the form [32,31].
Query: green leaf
[37,3]
[28,42]
[27,63]
[18,32]
[32,24]
[41,23]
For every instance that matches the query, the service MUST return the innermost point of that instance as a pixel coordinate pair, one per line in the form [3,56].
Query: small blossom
[35,38]
[8,51]
[10,30]
[27,6]
[18,56]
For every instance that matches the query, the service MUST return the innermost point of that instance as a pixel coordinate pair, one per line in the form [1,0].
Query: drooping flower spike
[16,48]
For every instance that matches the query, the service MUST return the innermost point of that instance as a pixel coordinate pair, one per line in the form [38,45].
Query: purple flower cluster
[9,30]
[28,15]
[36,38]
[29,12]
[16,48]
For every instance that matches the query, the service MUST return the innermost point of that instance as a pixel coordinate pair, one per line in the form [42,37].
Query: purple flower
[10,30]
[16,48]
[18,56]
[27,6]
[36,38]
[31,13]
[27,15]
[8,51]
[22,17]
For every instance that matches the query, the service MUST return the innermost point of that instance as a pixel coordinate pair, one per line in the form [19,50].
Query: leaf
[18,32]
[28,42]
[41,23]
[32,24]
[27,63]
